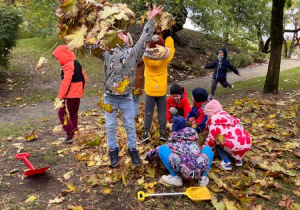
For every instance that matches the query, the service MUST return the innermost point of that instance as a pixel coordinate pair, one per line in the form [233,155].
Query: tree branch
[292,31]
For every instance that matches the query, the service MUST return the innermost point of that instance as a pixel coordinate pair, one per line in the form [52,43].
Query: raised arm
[147,34]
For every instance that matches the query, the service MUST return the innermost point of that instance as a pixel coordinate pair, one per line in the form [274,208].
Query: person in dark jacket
[221,65]
[71,89]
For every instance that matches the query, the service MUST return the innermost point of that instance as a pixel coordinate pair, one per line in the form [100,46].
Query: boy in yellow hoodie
[157,56]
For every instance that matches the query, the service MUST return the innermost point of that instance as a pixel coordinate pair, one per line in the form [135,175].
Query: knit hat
[175,89]
[178,123]
[212,107]
[200,94]
[156,39]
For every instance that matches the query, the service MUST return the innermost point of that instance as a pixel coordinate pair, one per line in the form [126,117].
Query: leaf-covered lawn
[80,177]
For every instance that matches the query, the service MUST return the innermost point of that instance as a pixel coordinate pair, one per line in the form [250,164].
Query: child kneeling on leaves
[177,103]
[234,138]
[182,155]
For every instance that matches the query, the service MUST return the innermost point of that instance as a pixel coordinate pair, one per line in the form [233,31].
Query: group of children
[181,154]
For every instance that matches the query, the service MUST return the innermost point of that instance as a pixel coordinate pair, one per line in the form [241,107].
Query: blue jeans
[125,104]
[208,151]
[164,153]
[136,105]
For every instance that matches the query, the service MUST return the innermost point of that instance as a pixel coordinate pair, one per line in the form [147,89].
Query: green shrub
[259,57]
[212,57]
[9,21]
[241,60]
[235,60]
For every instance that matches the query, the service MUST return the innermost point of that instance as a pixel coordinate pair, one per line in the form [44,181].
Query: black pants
[160,102]
[214,84]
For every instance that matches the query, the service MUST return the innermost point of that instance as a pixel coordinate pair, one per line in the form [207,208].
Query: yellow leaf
[71,188]
[82,156]
[122,85]
[218,205]
[109,108]
[67,3]
[230,205]
[271,116]
[106,191]
[77,38]
[68,175]
[58,103]
[31,136]
[41,62]
[91,163]
[30,199]
[57,129]
[221,138]
[140,181]
[58,199]
[59,151]
[75,207]
[18,99]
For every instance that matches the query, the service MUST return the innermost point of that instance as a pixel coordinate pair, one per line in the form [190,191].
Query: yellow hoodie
[156,72]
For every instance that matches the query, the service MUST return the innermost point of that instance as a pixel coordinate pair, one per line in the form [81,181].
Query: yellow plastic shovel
[196,194]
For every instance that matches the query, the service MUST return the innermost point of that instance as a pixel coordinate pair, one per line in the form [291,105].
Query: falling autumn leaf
[109,108]
[106,191]
[41,62]
[122,85]
[58,103]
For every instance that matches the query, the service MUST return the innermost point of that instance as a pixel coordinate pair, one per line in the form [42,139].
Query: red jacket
[182,105]
[72,74]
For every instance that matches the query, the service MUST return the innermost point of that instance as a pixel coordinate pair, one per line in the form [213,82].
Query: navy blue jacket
[221,67]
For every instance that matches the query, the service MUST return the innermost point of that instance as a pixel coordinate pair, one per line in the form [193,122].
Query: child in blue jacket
[196,116]
[220,65]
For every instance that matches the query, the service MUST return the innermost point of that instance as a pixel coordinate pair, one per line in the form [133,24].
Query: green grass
[40,86]
[288,80]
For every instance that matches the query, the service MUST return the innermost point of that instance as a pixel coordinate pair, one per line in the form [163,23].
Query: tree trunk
[272,78]
[292,47]
[285,48]
[266,47]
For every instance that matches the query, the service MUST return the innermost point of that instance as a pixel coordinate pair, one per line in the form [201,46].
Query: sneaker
[114,157]
[68,140]
[146,137]
[238,162]
[134,154]
[172,180]
[162,136]
[203,181]
[226,166]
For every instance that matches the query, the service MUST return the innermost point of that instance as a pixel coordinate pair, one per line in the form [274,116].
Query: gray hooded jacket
[121,62]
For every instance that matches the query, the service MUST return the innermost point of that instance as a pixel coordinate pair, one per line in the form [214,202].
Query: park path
[15,114]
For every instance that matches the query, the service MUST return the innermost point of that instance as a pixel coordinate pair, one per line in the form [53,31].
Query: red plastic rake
[32,170]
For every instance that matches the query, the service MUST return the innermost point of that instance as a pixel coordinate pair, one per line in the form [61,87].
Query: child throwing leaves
[120,66]
[177,103]
[226,134]
[71,89]
[182,155]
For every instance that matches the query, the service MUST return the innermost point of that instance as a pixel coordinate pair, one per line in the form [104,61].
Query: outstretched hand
[155,11]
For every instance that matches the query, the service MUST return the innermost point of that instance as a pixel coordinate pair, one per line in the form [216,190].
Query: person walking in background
[157,56]
[120,66]
[196,117]
[220,74]
[182,155]
[138,87]
[177,103]
[70,91]
[226,134]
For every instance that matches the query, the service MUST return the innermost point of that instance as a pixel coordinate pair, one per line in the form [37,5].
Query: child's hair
[175,89]
[200,94]
[212,107]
